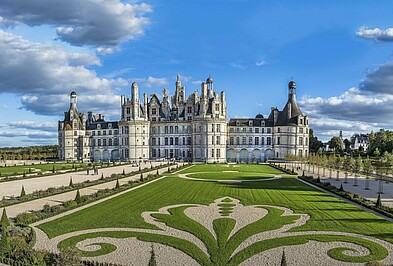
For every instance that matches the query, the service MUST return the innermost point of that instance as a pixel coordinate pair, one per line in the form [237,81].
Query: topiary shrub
[25,218]
[341,189]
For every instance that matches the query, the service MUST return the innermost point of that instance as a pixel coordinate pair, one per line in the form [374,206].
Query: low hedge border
[289,172]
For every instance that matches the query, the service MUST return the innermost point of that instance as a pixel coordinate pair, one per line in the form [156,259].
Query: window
[218,127]
[166,141]
[189,118]
[217,107]
[237,141]
[231,140]
[128,110]
[268,130]
[104,142]
[301,130]
[110,142]
[237,129]
[269,141]
[218,153]
[115,141]
[212,152]
[300,140]
[263,130]
[116,132]
[171,141]
[244,130]
[171,129]
[154,153]
[153,141]
[249,140]
[262,141]
[184,140]
[176,129]
[176,141]
[99,133]
[110,132]
[166,129]
[278,140]
[212,127]
[99,142]
[153,119]
[257,130]
[231,129]
[104,132]
[244,141]
[250,130]
[213,140]
[94,133]
[278,130]
[189,109]
[256,140]
[154,111]
[218,140]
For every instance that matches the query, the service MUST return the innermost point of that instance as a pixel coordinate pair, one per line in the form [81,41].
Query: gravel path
[371,193]
[13,188]
[58,199]
[129,248]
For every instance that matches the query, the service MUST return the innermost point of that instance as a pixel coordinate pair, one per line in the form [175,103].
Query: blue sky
[338,52]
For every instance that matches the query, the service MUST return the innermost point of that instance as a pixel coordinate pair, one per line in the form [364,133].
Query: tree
[78,197]
[71,184]
[117,186]
[23,192]
[152,261]
[5,247]
[283,259]
[336,144]
[357,165]
[368,168]
[378,204]
[347,145]
[4,219]
[337,164]
[347,165]
[314,143]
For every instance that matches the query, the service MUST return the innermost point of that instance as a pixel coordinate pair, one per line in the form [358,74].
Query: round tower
[73,100]
[291,90]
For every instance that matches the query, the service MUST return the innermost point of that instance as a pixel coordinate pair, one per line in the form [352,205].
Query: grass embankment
[327,214]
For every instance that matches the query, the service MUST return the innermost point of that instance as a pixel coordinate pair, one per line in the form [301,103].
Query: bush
[70,204]
[25,218]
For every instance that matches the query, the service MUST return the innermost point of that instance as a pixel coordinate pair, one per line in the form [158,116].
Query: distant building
[192,129]
[360,142]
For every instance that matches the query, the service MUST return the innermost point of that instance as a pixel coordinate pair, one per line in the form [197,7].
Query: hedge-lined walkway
[58,199]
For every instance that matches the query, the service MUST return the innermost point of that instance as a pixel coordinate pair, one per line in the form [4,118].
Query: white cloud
[150,81]
[47,126]
[197,82]
[102,24]
[237,65]
[376,34]
[44,75]
[261,63]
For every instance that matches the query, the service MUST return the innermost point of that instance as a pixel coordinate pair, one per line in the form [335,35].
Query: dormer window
[250,123]
[237,123]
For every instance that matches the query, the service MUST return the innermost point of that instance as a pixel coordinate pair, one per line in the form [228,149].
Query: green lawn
[327,214]
[229,175]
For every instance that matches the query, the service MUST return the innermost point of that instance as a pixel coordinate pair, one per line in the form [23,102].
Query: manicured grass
[230,175]
[253,168]
[327,214]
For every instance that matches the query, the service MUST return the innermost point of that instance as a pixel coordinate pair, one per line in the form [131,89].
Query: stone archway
[105,156]
[243,155]
[269,154]
[256,155]
[115,155]
[97,155]
[231,155]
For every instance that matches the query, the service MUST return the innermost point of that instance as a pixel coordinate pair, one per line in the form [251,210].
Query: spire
[292,91]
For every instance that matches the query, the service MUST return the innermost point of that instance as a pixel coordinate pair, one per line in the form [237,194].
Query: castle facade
[195,128]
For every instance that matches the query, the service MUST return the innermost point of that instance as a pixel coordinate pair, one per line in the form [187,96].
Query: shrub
[378,204]
[117,184]
[23,192]
[71,184]
[70,204]
[141,178]
[25,218]
[78,197]
[341,189]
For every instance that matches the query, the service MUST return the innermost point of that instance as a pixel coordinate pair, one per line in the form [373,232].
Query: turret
[292,91]
[73,100]
[145,105]
[134,100]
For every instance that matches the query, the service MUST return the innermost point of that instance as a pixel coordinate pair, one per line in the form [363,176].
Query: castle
[191,129]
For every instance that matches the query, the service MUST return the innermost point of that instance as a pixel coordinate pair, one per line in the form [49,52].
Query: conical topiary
[78,198]
[117,184]
[102,176]
[141,178]
[152,261]
[124,172]
[53,169]
[4,222]
[23,192]
[378,204]
[283,259]
[71,184]
[157,172]
[318,179]
[341,188]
